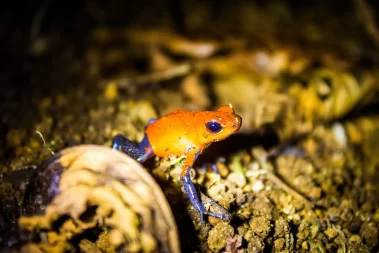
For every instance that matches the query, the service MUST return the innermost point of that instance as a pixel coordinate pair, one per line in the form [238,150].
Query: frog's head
[220,124]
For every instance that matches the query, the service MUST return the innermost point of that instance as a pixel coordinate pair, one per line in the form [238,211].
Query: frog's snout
[238,122]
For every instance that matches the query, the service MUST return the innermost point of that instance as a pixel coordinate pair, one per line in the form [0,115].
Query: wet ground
[301,174]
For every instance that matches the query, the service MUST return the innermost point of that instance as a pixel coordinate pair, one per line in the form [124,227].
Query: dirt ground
[299,176]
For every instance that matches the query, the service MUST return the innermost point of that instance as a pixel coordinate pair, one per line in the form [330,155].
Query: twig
[274,178]
[177,71]
[44,142]
[285,187]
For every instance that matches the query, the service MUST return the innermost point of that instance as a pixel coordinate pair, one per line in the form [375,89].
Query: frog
[183,133]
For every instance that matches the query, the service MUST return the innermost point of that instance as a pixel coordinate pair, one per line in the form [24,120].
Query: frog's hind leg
[140,153]
[213,166]
[146,147]
[190,189]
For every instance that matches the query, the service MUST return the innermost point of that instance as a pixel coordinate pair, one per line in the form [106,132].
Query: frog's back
[172,134]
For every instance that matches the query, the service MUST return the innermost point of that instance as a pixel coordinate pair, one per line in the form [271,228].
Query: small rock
[258,186]
[218,235]
[331,233]
[355,225]
[315,193]
[260,226]
[216,189]
[237,178]
[232,244]
[355,239]
[304,246]
[281,227]
[223,169]
[240,198]
[314,231]
[241,230]
[248,235]
[255,245]
[262,207]
[111,91]
[279,244]
[369,232]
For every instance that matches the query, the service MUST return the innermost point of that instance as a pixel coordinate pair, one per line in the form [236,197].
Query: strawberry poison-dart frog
[183,133]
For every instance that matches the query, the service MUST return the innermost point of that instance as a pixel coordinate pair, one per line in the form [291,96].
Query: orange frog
[183,133]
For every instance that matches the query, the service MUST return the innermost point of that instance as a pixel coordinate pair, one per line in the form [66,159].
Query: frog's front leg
[141,153]
[190,189]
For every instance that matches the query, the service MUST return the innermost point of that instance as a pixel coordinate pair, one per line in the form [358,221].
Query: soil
[301,174]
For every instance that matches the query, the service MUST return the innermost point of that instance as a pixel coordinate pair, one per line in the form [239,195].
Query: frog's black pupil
[213,127]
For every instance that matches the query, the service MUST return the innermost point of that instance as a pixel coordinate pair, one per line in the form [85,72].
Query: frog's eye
[213,127]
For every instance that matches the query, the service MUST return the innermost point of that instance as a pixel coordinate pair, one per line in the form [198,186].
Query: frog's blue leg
[151,121]
[141,153]
[190,189]
[212,165]
[145,145]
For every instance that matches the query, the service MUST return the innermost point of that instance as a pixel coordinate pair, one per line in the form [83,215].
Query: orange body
[183,133]
[186,133]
